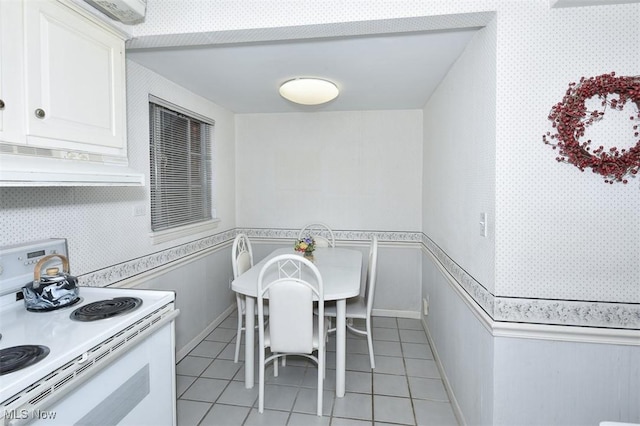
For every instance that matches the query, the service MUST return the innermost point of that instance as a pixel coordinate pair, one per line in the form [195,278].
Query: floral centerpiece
[305,245]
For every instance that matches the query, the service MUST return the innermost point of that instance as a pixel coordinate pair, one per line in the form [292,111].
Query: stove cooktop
[65,338]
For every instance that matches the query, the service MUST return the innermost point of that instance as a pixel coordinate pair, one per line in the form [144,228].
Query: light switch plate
[483,224]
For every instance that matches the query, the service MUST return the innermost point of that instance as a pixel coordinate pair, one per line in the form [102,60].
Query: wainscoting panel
[201,285]
[507,373]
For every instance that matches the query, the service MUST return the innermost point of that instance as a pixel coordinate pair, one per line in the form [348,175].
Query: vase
[308,255]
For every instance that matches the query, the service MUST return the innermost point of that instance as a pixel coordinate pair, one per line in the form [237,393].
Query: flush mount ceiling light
[309,91]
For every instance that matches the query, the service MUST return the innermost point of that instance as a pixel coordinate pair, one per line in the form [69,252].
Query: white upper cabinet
[62,80]
[11,71]
[75,78]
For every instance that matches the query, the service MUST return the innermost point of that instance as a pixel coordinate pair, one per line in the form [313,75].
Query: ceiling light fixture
[309,91]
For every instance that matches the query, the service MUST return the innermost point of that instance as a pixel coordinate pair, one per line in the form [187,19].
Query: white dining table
[341,273]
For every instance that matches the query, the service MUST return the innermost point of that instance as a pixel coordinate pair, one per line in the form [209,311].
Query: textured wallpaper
[559,233]
[459,160]
[354,170]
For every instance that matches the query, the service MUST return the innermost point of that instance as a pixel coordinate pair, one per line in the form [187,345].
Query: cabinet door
[11,72]
[75,81]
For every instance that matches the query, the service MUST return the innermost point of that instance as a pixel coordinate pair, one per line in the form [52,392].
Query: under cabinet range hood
[19,170]
[125,11]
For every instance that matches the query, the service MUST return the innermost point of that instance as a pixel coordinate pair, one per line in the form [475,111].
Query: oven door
[136,389]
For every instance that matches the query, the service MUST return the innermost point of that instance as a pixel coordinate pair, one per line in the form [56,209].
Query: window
[181,178]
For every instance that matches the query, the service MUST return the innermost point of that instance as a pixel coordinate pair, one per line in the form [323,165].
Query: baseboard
[184,351]
[393,313]
[447,386]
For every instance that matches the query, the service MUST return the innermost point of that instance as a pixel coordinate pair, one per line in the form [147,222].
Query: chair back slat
[372,268]
[321,241]
[241,255]
[290,316]
[241,262]
[244,262]
[291,295]
[321,233]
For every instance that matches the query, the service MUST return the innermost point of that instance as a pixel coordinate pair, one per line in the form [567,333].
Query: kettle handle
[36,271]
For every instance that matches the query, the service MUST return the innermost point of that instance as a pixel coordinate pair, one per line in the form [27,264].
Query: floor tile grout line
[406,371]
[300,386]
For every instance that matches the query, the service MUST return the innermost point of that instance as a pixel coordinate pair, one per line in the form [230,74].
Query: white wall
[459,159]
[351,170]
[541,382]
[562,233]
[462,345]
[459,184]
[201,285]
[553,230]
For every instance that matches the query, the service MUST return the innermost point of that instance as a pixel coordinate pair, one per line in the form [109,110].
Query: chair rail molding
[155,262]
[513,316]
[352,236]
[569,320]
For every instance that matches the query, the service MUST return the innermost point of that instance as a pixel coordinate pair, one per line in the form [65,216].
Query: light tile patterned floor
[404,389]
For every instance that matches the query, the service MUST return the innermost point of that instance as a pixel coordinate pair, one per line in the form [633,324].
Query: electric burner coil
[103,309]
[16,358]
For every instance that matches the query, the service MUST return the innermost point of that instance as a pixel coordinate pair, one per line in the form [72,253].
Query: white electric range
[118,368]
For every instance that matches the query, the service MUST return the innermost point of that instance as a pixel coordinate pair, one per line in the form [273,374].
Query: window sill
[183,231]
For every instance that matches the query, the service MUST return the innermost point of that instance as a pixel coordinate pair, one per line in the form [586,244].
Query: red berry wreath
[570,119]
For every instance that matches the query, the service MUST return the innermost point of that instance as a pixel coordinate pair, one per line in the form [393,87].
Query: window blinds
[180,181]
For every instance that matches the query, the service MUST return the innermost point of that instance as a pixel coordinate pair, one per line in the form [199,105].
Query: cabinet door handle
[40,113]
[1,104]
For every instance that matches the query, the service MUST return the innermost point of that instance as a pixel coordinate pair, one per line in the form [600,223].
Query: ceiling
[380,64]
[373,72]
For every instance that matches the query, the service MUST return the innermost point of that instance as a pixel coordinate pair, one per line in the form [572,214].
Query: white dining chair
[241,261]
[321,233]
[360,307]
[293,329]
